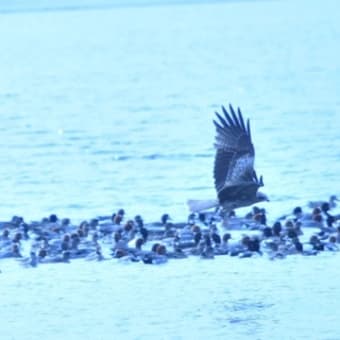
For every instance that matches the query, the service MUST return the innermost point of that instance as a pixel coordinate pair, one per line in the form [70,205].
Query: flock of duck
[206,235]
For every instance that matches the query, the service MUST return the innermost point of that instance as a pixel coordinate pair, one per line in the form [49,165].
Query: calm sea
[107,105]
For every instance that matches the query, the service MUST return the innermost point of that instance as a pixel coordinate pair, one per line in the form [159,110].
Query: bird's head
[261,197]
[165,218]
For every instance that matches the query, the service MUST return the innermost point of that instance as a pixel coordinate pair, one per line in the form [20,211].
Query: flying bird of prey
[236,181]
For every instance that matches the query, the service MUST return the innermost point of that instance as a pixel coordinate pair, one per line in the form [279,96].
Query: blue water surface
[113,108]
[105,105]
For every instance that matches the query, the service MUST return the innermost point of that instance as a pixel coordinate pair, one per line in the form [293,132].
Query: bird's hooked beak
[262,197]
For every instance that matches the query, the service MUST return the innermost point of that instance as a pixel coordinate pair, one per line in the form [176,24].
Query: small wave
[175,156]
[199,188]
[102,152]
[121,158]
[153,156]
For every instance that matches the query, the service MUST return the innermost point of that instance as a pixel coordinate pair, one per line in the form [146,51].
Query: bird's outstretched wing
[234,160]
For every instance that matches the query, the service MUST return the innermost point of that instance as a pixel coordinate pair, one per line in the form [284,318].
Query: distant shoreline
[50,6]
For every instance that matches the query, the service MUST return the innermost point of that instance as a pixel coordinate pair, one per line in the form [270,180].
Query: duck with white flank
[318,204]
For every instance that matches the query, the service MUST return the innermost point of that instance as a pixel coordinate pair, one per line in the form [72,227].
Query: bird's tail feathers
[200,205]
